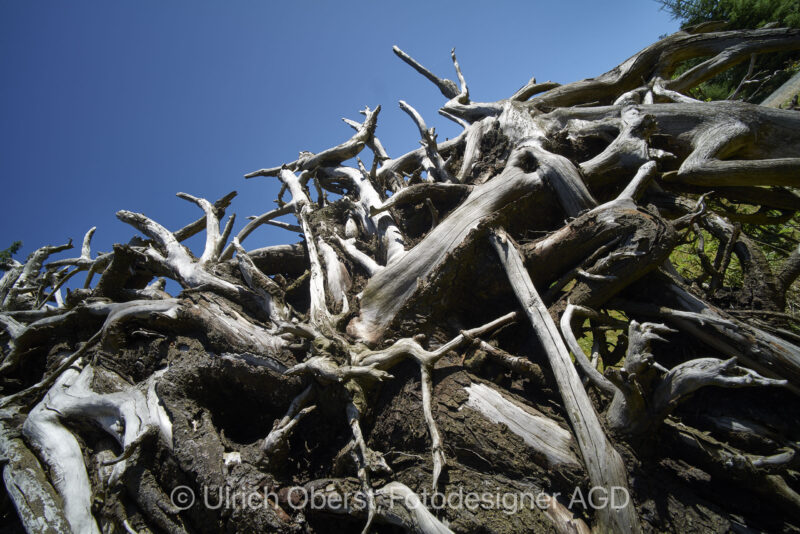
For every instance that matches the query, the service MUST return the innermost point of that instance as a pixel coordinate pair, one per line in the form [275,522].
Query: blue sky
[111,104]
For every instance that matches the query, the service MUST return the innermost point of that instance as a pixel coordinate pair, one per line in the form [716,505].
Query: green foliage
[687,261]
[740,14]
[5,255]
[776,241]
[771,71]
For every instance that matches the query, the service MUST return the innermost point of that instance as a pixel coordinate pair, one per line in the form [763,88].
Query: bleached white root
[155,409]
[690,376]
[767,354]
[373,142]
[557,171]
[459,104]
[115,313]
[174,257]
[628,151]
[458,120]
[331,157]
[603,463]
[437,450]
[34,264]
[564,521]
[361,455]
[399,505]
[59,449]
[541,433]
[80,264]
[434,163]
[215,239]
[390,171]
[365,261]
[48,380]
[239,331]
[141,309]
[280,224]
[45,325]
[19,281]
[319,313]
[197,226]
[630,408]
[336,276]
[463,92]
[410,348]
[660,90]
[327,370]
[387,292]
[598,380]
[395,503]
[36,502]
[532,88]
[448,88]
[265,287]
[421,192]
[375,361]
[8,280]
[380,224]
[126,415]
[252,225]
[641,180]
[632,97]
[729,462]
[518,364]
[284,427]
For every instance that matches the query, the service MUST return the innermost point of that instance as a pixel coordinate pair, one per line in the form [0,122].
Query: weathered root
[19,286]
[327,370]
[434,164]
[332,156]
[406,510]
[175,258]
[126,415]
[643,398]
[759,473]
[395,504]
[437,450]
[603,463]
[563,520]
[589,370]
[390,289]
[271,294]
[284,427]
[362,455]
[768,354]
[548,438]
[29,488]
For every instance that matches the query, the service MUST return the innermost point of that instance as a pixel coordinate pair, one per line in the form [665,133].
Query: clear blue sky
[112,104]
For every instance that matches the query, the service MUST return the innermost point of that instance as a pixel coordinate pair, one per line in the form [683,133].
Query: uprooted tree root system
[496,315]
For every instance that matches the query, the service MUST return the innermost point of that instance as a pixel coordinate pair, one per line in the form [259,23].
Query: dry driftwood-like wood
[603,463]
[414,346]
